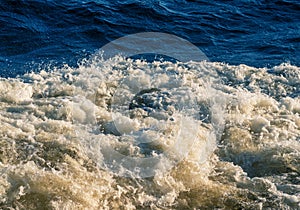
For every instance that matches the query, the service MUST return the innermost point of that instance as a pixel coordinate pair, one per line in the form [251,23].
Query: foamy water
[138,135]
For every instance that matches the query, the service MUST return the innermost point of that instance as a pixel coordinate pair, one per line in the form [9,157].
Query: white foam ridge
[123,133]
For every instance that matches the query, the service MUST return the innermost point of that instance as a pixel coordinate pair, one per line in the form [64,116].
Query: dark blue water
[37,33]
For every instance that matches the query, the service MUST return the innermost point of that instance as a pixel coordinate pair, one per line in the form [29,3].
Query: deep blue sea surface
[53,32]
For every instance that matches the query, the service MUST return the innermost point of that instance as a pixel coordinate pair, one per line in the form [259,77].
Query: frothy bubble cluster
[157,108]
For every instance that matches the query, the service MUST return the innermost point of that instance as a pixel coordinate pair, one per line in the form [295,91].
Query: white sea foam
[227,136]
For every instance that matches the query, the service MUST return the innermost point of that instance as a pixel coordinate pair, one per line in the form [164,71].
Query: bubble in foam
[156,108]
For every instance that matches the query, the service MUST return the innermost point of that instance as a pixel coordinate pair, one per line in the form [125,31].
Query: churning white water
[132,134]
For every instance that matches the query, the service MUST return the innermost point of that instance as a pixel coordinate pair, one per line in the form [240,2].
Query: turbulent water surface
[81,132]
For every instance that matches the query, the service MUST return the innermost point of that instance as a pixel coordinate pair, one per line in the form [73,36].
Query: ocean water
[79,130]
